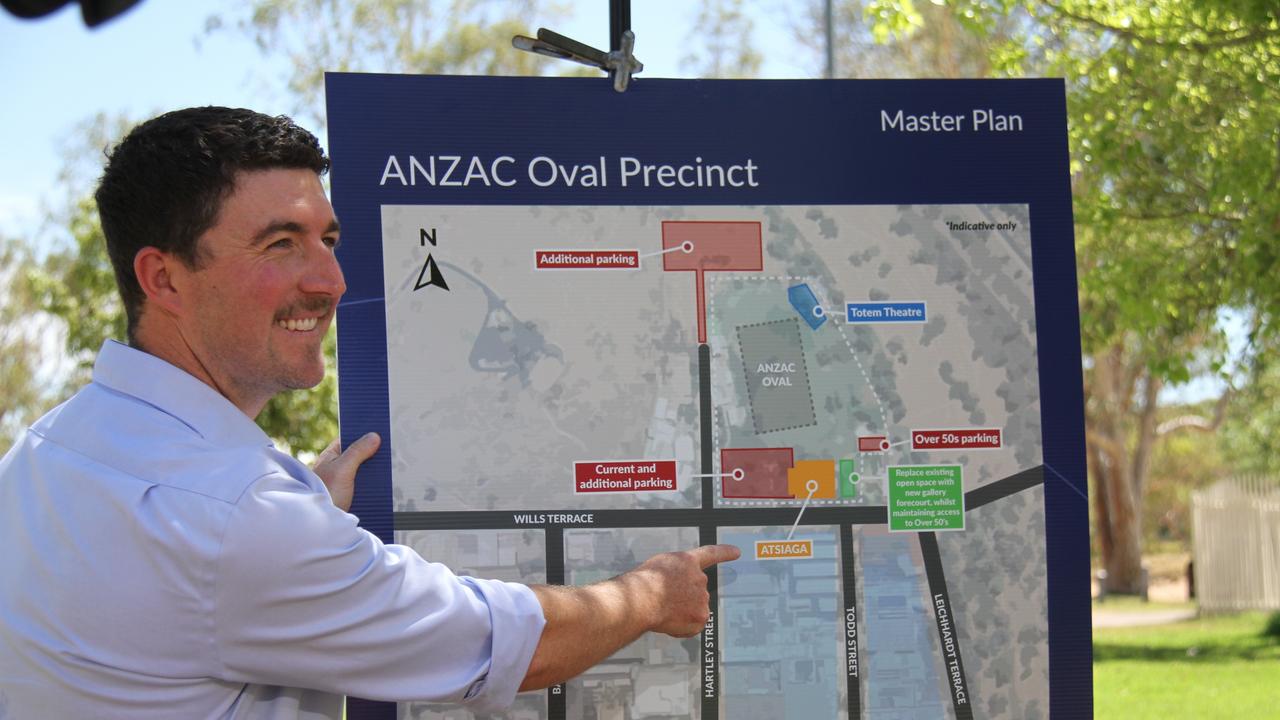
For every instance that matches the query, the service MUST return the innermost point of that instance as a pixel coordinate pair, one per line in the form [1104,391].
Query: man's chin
[304,378]
[307,382]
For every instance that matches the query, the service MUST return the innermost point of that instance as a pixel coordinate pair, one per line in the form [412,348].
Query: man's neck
[170,345]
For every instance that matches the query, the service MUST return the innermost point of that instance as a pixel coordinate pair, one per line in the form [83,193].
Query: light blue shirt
[159,558]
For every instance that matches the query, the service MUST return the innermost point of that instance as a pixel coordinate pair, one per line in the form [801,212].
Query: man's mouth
[294,318]
[299,324]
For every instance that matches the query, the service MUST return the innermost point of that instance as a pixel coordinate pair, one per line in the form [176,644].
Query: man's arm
[586,624]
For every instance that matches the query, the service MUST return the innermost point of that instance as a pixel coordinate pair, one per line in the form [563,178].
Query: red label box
[966,439]
[597,476]
[587,259]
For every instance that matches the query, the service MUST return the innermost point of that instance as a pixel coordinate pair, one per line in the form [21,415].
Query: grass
[1135,604]
[1216,667]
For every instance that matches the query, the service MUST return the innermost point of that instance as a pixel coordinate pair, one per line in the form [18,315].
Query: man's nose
[323,275]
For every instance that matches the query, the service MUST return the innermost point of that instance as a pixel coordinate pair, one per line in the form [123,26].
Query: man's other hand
[337,469]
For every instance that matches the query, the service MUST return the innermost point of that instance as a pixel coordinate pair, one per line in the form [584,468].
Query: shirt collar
[176,392]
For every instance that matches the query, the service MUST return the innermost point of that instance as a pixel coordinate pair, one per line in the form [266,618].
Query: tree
[1251,432]
[21,396]
[899,40]
[76,285]
[1175,138]
[720,42]
[391,36]
[1176,130]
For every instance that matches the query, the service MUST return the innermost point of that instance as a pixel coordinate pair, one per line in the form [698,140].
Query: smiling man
[248,315]
[162,559]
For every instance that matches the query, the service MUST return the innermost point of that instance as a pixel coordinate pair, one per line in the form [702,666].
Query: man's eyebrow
[289,226]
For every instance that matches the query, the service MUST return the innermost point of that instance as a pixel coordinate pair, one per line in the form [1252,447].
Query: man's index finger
[708,555]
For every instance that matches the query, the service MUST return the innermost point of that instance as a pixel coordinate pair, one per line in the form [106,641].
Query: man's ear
[157,272]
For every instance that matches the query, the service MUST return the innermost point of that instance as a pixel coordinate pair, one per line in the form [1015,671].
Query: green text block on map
[926,497]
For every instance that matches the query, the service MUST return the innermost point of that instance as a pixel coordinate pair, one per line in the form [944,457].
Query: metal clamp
[621,64]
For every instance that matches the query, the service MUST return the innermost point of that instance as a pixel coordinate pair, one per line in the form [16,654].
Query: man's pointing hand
[681,602]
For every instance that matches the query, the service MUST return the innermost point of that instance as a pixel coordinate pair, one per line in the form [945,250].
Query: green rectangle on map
[848,478]
[926,497]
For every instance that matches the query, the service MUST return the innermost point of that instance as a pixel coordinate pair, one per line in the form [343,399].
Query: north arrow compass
[430,273]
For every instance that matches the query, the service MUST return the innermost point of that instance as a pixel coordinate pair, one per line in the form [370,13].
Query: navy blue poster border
[812,142]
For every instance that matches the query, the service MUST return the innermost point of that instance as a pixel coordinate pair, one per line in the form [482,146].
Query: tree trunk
[1101,515]
[1124,563]
[1111,387]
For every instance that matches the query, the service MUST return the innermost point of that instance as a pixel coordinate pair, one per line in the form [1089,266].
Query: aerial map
[848,393]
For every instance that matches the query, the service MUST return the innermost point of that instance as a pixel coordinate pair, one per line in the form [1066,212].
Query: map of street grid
[847,393]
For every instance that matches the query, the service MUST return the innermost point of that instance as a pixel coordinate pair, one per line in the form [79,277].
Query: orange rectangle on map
[783,549]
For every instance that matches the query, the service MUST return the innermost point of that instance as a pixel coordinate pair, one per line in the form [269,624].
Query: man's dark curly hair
[165,183]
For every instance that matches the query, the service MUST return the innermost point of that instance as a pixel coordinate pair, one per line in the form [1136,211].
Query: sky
[157,56]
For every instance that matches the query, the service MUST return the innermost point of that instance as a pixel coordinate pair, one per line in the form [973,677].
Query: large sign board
[833,323]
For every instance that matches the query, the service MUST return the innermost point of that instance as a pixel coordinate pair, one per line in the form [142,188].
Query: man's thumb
[362,449]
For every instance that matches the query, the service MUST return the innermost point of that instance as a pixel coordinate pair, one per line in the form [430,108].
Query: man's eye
[281,243]
[332,242]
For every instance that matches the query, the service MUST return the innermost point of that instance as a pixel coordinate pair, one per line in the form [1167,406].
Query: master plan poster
[832,323]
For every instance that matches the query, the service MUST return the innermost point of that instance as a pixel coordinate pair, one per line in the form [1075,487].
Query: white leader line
[686,247]
[813,488]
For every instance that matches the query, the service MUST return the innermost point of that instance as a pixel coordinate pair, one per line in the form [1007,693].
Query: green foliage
[1175,130]
[892,20]
[1175,134]
[78,286]
[394,36]
[882,39]
[21,396]
[1251,434]
[1180,465]
[75,283]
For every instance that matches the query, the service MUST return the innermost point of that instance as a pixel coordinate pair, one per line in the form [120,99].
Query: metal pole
[619,22]
[831,42]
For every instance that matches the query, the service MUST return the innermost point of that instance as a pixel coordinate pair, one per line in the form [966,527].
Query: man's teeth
[299,325]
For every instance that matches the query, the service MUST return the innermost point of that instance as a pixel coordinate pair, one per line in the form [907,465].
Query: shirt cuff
[516,623]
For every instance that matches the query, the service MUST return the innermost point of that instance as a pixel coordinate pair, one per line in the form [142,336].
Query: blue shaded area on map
[806,303]
[781,630]
[902,661]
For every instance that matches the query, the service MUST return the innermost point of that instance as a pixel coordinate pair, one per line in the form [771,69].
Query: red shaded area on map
[715,246]
[764,472]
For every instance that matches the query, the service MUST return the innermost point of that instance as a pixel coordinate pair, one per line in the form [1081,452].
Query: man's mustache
[309,306]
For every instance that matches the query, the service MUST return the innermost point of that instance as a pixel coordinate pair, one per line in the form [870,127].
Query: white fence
[1236,532]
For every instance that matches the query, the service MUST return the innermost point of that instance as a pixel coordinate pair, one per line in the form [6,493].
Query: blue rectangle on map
[885,312]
